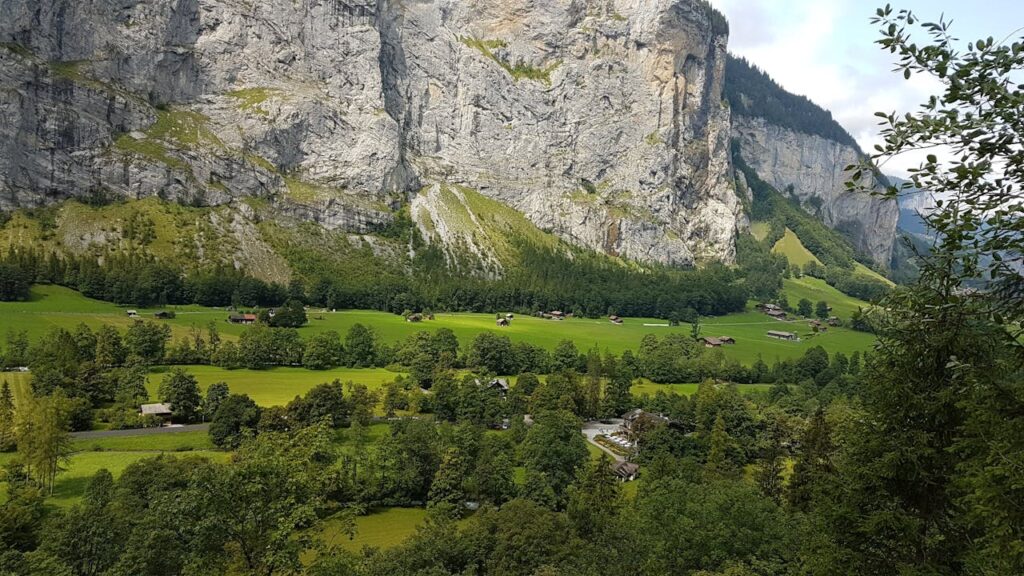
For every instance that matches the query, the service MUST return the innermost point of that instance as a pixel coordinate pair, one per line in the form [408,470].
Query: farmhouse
[162,411]
[777,314]
[626,471]
[727,339]
[782,335]
[711,342]
[242,318]
[499,384]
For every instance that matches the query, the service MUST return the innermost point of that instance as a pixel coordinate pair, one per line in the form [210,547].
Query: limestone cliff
[798,148]
[812,169]
[599,120]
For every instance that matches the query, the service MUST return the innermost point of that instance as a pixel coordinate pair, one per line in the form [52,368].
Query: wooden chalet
[626,471]
[777,334]
[242,318]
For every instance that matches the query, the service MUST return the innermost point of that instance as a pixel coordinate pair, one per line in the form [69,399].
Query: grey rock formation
[600,120]
[813,169]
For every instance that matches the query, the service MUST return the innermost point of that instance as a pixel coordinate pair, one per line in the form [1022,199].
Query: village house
[161,411]
[778,314]
[636,419]
[242,318]
[499,384]
[626,471]
[782,335]
[711,342]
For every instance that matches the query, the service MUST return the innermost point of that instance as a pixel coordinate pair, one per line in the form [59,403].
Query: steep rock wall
[601,121]
[812,168]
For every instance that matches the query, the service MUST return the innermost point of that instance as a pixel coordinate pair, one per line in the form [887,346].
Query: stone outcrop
[599,120]
[812,169]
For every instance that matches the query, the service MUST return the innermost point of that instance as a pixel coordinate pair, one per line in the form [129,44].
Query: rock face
[599,120]
[813,169]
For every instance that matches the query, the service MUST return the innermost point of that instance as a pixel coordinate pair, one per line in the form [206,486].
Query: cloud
[826,51]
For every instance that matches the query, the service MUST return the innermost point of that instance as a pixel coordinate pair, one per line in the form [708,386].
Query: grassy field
[20,385]
[71,484]
[277,386]
[750,329]
[793,249]
[170,442]
[815,290]
[52,306]
[385,528]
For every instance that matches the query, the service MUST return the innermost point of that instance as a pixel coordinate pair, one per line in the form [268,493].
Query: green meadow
[53,306]
[276,386]
[82,466]
[384,528]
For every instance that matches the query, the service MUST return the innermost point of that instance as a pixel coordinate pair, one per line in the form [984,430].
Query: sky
[825,50]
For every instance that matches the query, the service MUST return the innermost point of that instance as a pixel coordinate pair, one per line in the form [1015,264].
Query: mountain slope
[800,150]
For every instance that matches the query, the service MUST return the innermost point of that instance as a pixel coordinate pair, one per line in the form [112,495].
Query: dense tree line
[134,278]
[584,283]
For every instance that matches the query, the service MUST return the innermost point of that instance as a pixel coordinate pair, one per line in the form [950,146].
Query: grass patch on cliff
[305,191]
[185,127]
[520,70]
[152,150]
[18,49]
[251,99]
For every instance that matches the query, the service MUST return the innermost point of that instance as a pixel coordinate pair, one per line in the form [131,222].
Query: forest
[750,91]
[586,284]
